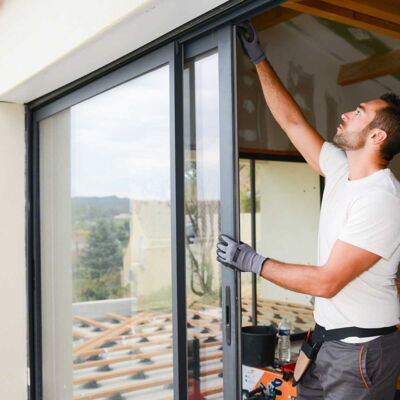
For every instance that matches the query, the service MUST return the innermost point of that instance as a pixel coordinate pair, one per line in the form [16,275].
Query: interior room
[328,67]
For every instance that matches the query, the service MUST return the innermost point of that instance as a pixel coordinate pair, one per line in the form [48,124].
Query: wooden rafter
[273,17]
[388,10]
[370,68]
[345,15]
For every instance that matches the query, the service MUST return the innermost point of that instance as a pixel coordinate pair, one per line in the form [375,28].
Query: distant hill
[107,206]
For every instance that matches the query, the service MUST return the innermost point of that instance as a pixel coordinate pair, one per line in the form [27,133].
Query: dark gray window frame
[224,41]
[163,56]
[167,49]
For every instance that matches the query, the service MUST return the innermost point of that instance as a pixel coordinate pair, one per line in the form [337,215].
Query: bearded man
[355,344]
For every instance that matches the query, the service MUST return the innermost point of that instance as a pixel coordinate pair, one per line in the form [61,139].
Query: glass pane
[287,230]
[202,204]
[106,245]
[245,235]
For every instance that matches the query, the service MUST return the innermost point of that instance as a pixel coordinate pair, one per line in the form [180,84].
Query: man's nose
[344,116]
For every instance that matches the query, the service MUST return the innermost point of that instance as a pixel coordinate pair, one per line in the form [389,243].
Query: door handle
[228,308]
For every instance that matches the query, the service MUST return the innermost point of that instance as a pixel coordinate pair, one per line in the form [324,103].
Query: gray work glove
[251,45]
[239,255]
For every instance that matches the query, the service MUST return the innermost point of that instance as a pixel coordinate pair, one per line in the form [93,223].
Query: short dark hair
[388,119]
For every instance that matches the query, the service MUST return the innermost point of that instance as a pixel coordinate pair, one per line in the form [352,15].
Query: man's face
[352,133]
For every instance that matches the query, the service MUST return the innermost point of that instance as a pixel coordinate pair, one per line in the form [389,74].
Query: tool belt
[313,342]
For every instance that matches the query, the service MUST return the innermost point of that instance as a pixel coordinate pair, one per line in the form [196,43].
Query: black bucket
[258,345]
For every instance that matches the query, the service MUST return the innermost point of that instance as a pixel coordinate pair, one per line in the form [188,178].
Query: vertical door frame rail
[224,41]
[165,50]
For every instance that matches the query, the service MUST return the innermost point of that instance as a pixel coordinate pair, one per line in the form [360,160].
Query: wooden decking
[126,357]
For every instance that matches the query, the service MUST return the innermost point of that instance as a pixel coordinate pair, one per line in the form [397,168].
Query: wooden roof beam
[345,16]
[273,17]
[388,10]
[370,68]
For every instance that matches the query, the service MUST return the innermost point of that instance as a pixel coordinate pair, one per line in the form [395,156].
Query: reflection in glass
[106,245]
[245,232]
[202,202]
[288,204]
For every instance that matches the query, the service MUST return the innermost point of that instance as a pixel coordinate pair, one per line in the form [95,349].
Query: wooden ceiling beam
[345,16]
[388,10]
[273,17]
[370,68]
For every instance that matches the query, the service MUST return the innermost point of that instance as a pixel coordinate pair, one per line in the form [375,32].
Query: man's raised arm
[282,105]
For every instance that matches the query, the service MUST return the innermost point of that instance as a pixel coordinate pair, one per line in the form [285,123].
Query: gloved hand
[251,45]
[239,255]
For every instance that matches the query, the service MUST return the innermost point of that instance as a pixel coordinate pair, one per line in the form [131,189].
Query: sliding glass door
[210,208]
[134,178]
[105,243]
[210,287]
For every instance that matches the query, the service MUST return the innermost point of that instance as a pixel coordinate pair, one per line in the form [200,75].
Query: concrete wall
[13,332]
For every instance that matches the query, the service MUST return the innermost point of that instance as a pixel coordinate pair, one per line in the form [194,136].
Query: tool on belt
[313,342]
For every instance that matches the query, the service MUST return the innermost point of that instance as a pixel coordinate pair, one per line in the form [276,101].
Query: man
[359,243]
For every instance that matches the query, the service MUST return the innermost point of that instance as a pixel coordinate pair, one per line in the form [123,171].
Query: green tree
[103,255]
[99,268]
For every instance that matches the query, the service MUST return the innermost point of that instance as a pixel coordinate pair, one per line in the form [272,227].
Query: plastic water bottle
[284,341]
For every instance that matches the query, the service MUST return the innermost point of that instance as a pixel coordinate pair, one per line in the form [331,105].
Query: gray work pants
[345,371]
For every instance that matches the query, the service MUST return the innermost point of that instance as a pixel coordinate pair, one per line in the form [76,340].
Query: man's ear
[377,136]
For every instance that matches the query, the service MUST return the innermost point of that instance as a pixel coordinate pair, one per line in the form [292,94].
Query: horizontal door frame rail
[267,156]
[230,11]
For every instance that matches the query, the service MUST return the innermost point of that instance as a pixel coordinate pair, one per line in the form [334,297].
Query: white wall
[51,43]
[13,332]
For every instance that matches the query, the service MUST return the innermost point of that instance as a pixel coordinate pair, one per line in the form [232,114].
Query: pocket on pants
[370,363]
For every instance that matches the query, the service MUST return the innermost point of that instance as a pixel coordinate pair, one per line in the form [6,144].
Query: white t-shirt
[365,213]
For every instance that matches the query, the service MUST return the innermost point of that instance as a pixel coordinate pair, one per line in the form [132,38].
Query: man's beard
[350,141]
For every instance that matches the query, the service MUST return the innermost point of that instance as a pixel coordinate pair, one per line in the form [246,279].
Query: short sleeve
[331,159]
[373,224]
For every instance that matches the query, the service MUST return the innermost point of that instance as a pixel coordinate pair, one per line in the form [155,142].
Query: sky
[120,139]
